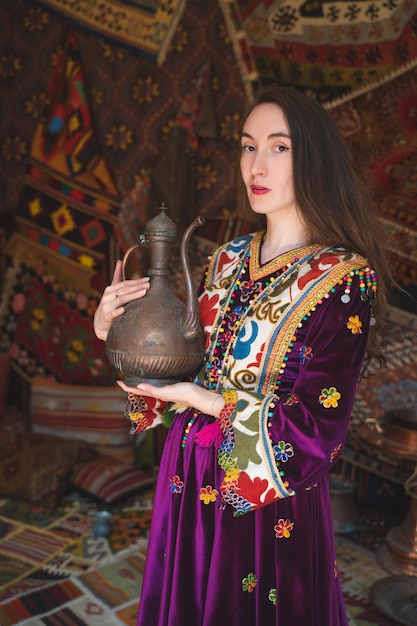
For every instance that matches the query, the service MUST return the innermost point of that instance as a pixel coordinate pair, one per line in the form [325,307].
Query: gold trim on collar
[257,271]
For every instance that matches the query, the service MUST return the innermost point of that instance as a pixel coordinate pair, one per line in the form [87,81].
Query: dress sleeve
[314,417]
[276,445]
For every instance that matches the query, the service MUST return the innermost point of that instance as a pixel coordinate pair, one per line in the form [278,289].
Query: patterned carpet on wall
[144,26]
[324,48]
[134,100]
[54,570]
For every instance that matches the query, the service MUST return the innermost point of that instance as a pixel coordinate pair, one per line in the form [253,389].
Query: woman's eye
[280,148]
[247,148]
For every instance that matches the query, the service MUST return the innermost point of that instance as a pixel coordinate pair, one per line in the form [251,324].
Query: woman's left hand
[185,394]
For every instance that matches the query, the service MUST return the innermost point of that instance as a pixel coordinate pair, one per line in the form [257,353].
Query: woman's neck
[282,238]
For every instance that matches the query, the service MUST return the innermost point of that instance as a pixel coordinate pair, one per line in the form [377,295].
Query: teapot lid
[161,224]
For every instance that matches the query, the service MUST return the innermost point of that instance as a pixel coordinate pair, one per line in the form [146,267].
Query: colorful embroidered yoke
[261,317]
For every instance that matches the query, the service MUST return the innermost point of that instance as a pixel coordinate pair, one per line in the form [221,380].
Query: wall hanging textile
[47,329]
[68,205]
[146,26]
[134,102]
[329,48]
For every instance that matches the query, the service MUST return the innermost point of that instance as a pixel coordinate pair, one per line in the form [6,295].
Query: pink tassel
[210,435]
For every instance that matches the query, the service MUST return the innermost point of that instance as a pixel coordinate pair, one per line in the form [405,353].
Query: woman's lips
[258,190]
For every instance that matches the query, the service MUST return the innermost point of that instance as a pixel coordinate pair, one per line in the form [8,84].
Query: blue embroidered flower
[283,451]
[305,354]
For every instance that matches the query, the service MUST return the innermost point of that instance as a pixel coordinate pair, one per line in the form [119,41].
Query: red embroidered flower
[176,484]
[335,452]
[292,399]
[283,528]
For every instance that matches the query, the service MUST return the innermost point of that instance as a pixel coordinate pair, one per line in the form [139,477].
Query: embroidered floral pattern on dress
[329,398]
[249,582]
[306,353]
[355,325]
[142,414]
[292,399]
[283,451]
[176,484]
[254,309]
[272,596]
[283,528]
[335,452]
[208,494]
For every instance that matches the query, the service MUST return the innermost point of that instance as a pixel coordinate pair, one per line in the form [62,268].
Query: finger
[126,293]
[133,390]
[150,390]
[117,274]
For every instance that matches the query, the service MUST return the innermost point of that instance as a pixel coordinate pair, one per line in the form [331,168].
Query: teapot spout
[191,324]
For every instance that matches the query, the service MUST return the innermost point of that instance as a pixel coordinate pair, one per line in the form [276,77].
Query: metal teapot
[159,339]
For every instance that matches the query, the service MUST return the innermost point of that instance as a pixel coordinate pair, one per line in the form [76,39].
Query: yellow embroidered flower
[329,398]
[355,325]
[208,494]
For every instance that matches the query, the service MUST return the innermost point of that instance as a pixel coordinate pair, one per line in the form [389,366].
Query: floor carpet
[54,571]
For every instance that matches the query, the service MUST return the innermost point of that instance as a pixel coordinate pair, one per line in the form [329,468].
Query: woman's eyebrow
[271,136]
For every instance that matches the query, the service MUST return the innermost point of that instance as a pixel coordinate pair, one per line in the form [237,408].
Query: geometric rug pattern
[359,571]
[66,576]
[55,570]
[325,48]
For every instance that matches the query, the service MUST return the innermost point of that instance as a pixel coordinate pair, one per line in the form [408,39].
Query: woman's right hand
[115,297]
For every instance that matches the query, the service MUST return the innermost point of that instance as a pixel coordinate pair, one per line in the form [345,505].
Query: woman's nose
[258,165]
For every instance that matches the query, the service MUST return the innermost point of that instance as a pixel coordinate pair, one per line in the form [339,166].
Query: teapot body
[159,338]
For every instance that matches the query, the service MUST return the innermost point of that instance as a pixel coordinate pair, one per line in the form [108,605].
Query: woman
[242,529]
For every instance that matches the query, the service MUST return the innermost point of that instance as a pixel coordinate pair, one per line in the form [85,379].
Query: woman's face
[266,161]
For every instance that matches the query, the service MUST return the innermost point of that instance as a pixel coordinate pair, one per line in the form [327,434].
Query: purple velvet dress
[212,563]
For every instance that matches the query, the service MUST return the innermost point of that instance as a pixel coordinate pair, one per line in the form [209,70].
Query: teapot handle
[142,240]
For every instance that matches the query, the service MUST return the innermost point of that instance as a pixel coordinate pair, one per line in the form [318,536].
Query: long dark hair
[331,195]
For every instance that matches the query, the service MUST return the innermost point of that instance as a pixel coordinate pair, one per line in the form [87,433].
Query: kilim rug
[325,48]
[55,571]
[53,563]
[147,26]
[359,570]
[68,205]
